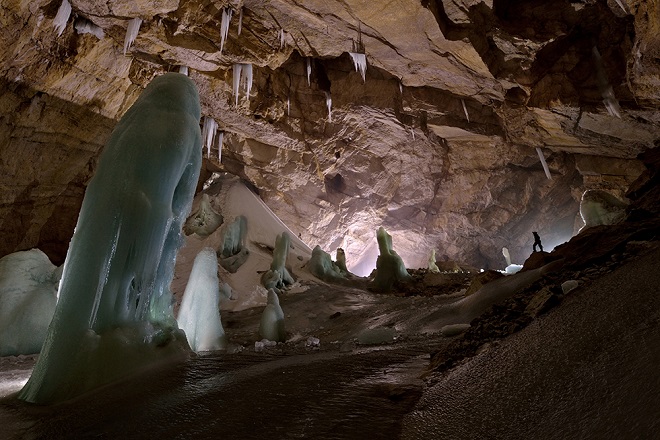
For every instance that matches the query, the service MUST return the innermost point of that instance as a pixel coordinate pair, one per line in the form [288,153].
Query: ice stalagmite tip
[114,315]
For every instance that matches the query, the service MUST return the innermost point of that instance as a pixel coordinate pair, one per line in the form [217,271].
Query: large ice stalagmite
[199,316]
[114,315]
[389,265]
[271,326]
[278,276]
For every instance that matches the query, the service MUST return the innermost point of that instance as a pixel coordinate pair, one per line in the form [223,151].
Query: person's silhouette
[537,241]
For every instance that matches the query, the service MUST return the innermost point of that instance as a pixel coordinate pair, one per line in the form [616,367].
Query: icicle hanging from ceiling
[358,55]
[184,70]
[62,17]
[400,87]
[288,105]
[309,71]
[224,26]
[467,116]
[240,21]
[360,63]
[605,88]
[281,38]
[131,33]
[328,103]
[544,163]
[242,75]
[84,26]
[221,137]
[621,5]
[208,133]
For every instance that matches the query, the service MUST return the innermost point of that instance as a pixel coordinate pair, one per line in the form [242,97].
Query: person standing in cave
[537,241]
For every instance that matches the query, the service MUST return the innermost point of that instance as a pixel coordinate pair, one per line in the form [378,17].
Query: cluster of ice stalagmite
[322,267]
[360,63]
[199,315]
[62,17]
[28,295]
[242,76]
[224,26]
[131,33]
[114,313]
[209,129]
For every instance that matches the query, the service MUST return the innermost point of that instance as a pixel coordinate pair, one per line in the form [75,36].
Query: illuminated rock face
[437,144]
[114,293]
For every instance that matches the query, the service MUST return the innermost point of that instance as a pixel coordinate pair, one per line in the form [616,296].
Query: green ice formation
[114,316]
[389,265]
[278,276]
[204,221]
[322,267]
[271,326]
[233,252]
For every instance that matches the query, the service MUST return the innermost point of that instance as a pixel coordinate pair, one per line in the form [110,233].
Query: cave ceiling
[438,144]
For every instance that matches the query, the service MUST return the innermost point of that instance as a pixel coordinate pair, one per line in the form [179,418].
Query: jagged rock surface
[437,145]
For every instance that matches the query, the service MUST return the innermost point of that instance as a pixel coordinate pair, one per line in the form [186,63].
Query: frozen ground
[587,369]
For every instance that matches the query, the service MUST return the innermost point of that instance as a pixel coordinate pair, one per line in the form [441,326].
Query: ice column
[199,316]
[208,133]
[63,14]
[360,63]
[114,315]
[467,116]
[221,136]
[328,103]
[309,71]
[224,26]
[544,163]
[131,33]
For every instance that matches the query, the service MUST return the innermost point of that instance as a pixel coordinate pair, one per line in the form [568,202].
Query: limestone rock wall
[437,145]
